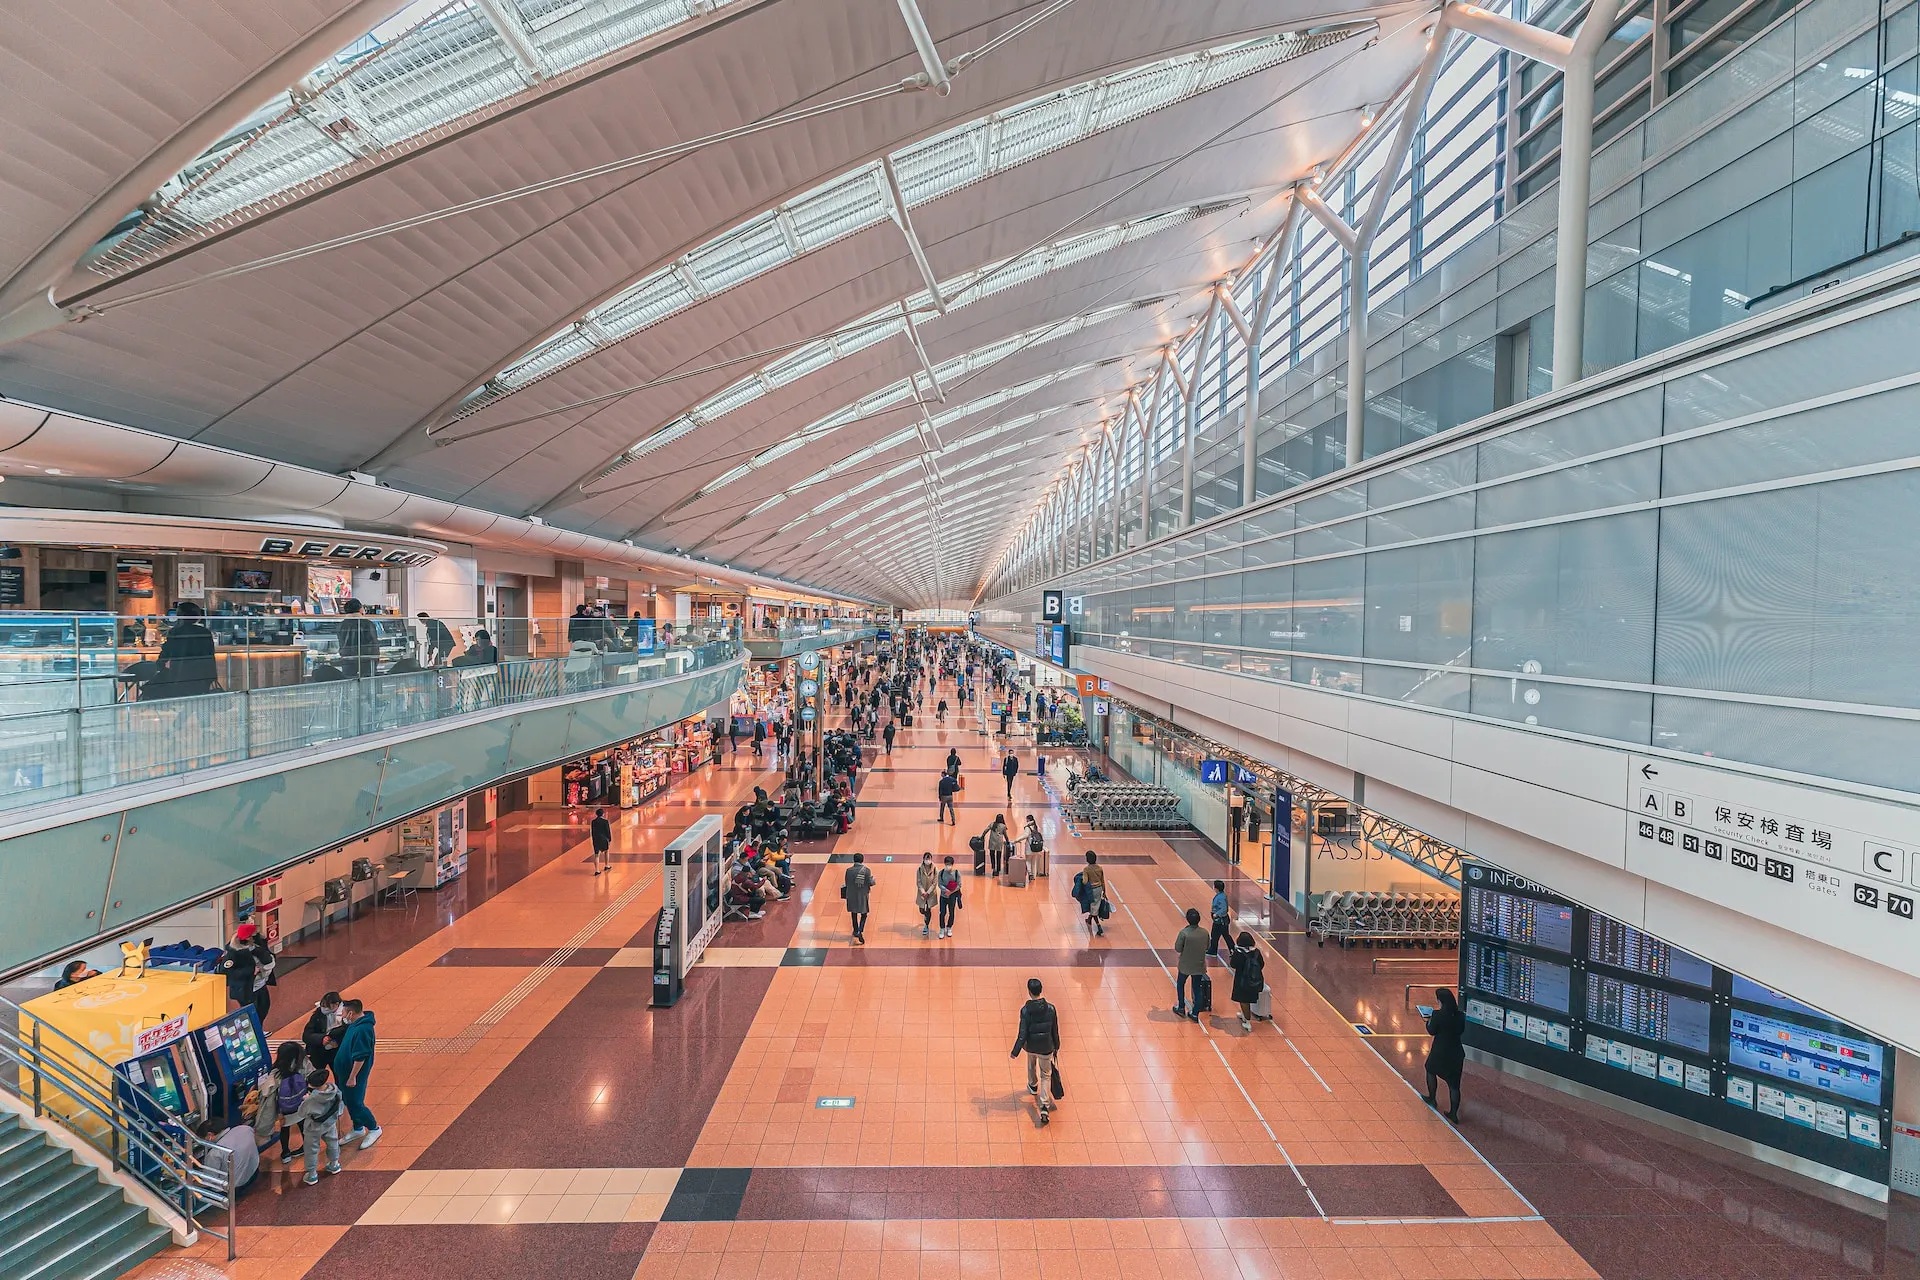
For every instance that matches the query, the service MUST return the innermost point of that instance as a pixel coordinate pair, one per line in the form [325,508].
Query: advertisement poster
[329,584]
[134,579]
[643,634]
[190,581]
[13,584]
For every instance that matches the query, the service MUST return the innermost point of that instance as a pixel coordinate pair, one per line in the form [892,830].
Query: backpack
[293,1094]
[1035,842]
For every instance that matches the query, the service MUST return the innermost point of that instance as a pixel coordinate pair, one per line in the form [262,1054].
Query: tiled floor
[813,1108]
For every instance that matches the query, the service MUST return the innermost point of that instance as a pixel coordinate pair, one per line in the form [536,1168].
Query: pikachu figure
[133,959]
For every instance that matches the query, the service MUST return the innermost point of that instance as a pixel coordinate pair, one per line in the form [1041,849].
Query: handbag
[1059,1090]
[1106,909]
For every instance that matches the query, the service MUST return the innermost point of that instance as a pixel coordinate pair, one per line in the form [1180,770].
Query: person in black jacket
[186,660]
[1039,1035]
[359,641]
[1249,976]
[1446,1058]
[321,1035]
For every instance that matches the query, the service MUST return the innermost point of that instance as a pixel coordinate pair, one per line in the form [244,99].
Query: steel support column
[1576,189]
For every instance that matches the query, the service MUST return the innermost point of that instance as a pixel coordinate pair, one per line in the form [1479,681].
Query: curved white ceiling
[726,347]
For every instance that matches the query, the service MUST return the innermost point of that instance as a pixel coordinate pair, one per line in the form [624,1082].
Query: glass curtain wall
[1770,160]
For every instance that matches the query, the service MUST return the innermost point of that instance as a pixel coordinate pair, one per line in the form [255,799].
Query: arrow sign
[1648,771]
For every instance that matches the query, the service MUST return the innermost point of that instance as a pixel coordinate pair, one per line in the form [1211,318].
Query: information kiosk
[236,1066]
[695,867]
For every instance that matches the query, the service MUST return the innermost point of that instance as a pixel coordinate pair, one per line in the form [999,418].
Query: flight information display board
[1565,989]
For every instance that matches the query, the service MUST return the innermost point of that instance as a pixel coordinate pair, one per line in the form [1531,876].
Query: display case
[440,837]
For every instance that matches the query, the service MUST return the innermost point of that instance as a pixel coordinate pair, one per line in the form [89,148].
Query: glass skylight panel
[941,165]
[654,298]
[741,254]
[839,208]
[415,75]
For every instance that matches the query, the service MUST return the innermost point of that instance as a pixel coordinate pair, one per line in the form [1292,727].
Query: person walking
[353,1063]
[1190,954]
[949,885]
[940,712]
[1222,931]
[1039,1036]
[759,734]
[1446,1057]
[997,847]
[602,841]
[926,892]
[320,1123]
[856,890]
[887,734]
[1093,897]
[1036,846]
[949,787]
[1010,769]
[1249,976]
[733,736]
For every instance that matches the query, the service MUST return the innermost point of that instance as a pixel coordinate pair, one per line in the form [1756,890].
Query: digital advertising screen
[1806,1056]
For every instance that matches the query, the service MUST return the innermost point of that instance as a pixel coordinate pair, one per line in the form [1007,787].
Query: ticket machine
[236,1065]
[166,1087]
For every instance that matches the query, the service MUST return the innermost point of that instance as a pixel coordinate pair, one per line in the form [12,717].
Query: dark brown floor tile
[578,1251]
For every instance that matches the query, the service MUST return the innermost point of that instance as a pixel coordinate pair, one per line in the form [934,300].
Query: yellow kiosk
[117,1018]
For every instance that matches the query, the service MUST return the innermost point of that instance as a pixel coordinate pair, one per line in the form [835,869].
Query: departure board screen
[1611,942]
[1821,1060]
[1515,919]
[1528,979]
[1650,1012]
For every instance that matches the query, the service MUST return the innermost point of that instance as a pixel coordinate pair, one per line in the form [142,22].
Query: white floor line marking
[1276,1026]
[1395,1072]
[1231,1073]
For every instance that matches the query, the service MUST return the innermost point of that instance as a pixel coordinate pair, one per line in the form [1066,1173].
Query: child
[319,1122]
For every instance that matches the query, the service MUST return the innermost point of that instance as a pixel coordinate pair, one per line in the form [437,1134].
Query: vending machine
[166,1087]
[236,1065]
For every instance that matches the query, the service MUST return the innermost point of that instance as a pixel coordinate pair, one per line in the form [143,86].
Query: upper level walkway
[124,810]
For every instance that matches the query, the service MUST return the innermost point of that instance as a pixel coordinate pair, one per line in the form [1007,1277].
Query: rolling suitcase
[979,846]
[907,720]
[1201,985]
[1017,871]
[1263,1007]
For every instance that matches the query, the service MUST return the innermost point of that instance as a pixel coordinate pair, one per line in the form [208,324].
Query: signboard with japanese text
[1836,868]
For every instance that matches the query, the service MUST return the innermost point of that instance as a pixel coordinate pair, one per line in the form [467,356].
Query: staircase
[59,1219]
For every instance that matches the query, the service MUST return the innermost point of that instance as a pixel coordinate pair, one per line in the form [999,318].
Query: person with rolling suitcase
[1190,970]
[1036,847]
[1249,977]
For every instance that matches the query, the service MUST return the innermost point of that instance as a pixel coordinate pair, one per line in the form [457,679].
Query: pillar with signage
[809,705]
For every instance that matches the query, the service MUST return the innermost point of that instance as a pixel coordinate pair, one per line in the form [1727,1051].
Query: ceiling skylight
[889,321]
[916,390]
[927,170]
[432,66]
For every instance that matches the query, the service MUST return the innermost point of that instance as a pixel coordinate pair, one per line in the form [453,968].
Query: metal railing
[65,1082]
[155,718]
[800,629]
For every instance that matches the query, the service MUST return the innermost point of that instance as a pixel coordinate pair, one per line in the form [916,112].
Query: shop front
[95,594]
[629,773]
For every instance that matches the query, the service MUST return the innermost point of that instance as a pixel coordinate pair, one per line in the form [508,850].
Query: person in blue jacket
[352,1064]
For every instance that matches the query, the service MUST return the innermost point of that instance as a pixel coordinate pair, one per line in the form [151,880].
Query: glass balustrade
[90,701]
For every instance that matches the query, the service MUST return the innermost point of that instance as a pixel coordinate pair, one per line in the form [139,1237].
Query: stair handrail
[183,1175]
